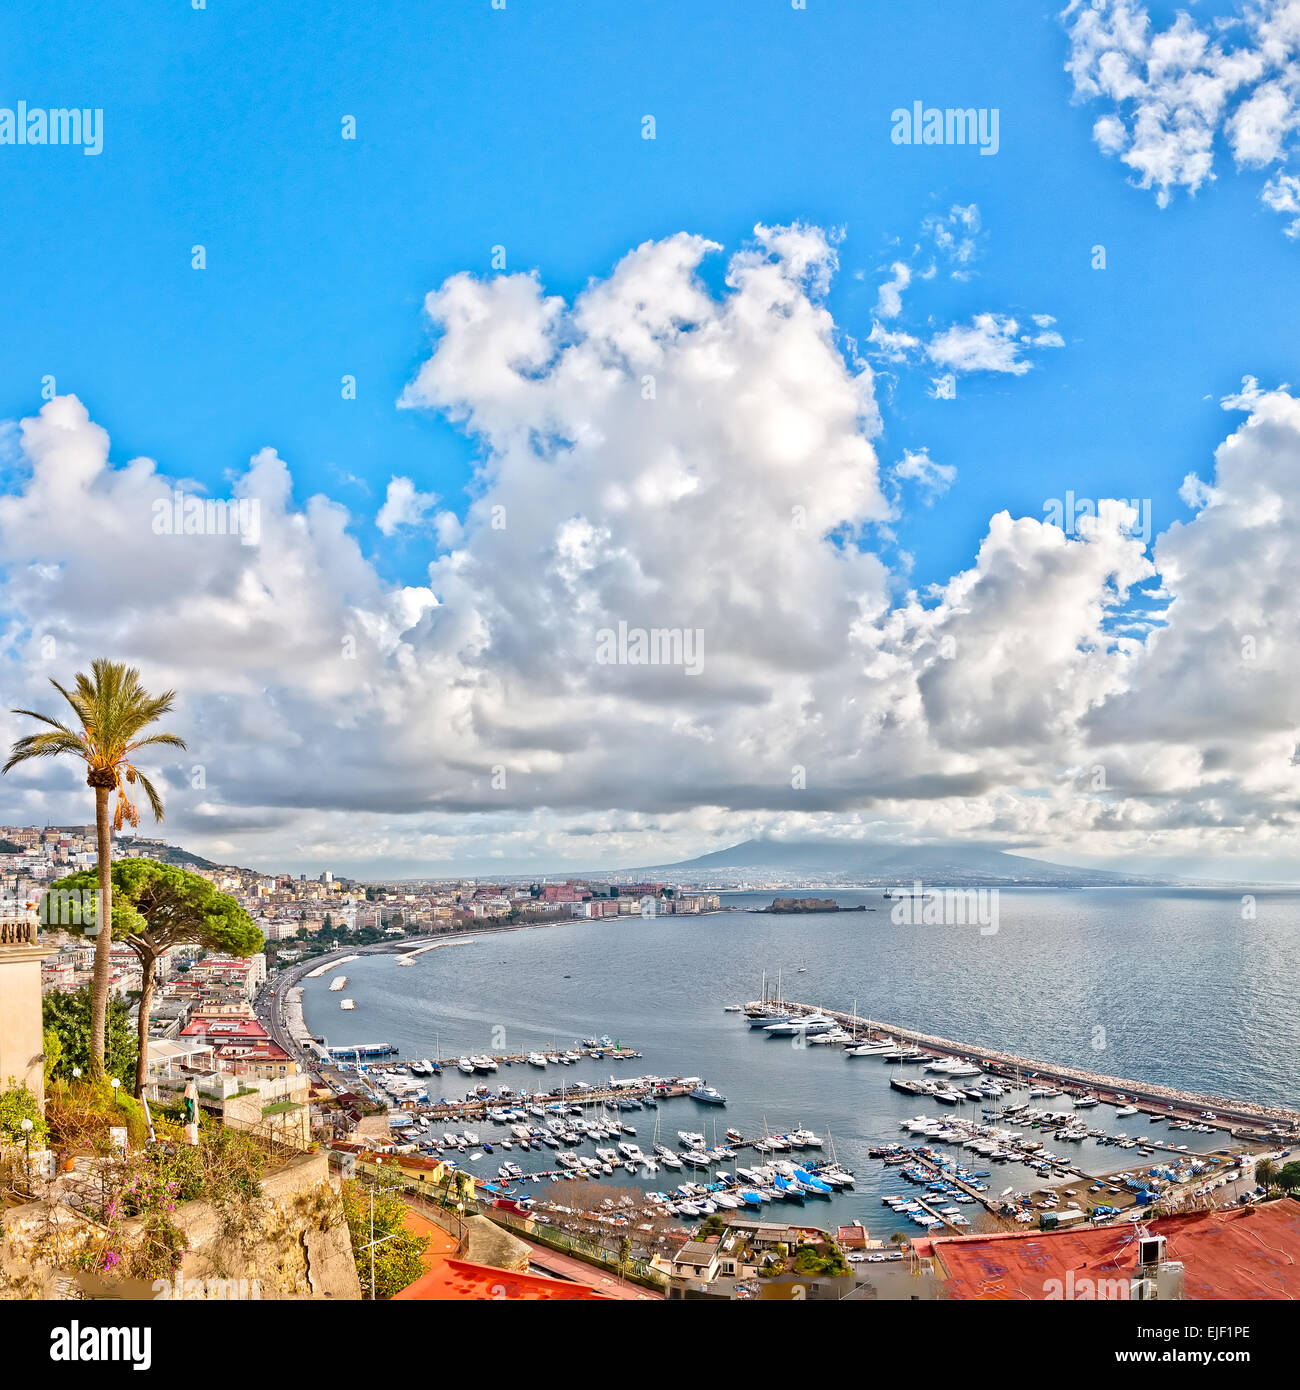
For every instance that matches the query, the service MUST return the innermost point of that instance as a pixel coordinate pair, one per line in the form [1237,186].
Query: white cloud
[404,506]
[932,478]
[955,235]
[989,343]
[889,304]
[1175,91]
[658,454]
[892,346]
[1282,194]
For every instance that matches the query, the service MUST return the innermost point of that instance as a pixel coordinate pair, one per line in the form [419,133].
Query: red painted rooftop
[229,1028]
[459,1279]
[1239,1253]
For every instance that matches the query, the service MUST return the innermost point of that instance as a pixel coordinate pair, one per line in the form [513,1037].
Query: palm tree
[112,707]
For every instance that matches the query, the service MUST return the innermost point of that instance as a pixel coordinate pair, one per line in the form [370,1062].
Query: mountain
[867,862]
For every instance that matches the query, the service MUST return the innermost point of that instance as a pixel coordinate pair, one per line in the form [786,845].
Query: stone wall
[295,1244]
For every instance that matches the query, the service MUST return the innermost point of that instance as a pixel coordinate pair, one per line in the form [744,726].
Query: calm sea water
[1155,985]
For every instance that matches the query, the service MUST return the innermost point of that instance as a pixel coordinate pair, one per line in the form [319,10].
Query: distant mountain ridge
[870,862]
[167,854]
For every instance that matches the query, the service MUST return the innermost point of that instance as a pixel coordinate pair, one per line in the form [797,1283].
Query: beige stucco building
[22,1050]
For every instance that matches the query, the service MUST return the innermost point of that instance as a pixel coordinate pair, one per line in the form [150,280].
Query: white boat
[535,1059]
[953,1066]
[466,1066]
[347,1004]
[790,1027]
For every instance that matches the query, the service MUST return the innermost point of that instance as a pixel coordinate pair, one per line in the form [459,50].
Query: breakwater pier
[1242,1119]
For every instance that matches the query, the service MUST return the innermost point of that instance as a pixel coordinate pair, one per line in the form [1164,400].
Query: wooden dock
[478,1107]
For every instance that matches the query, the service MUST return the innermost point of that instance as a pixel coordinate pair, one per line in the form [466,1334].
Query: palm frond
[112,707]
[155,801]
[45,719]
[172,740]
[44,746]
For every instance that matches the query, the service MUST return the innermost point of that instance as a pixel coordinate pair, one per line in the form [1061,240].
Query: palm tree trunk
[148,965]
[104,940]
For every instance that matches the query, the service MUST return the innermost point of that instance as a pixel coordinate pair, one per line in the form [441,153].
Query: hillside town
[299,916]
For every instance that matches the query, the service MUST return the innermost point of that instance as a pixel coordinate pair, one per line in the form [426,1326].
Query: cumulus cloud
[1173,92]
[918,467]
[659,455]
[404,506]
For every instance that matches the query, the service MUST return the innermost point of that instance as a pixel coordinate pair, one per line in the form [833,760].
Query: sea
[1192,988]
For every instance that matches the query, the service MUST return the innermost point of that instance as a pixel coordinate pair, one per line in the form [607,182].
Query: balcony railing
[18,931]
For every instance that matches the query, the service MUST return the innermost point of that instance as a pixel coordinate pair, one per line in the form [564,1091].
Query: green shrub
[19,1103]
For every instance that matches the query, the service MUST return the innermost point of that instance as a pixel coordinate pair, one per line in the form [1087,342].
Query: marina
[840,1088]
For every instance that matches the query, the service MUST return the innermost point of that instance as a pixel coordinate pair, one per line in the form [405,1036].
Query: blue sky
[522,128]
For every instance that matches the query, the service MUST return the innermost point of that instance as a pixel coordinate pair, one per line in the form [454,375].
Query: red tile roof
[1237,1253]
[459,1279]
